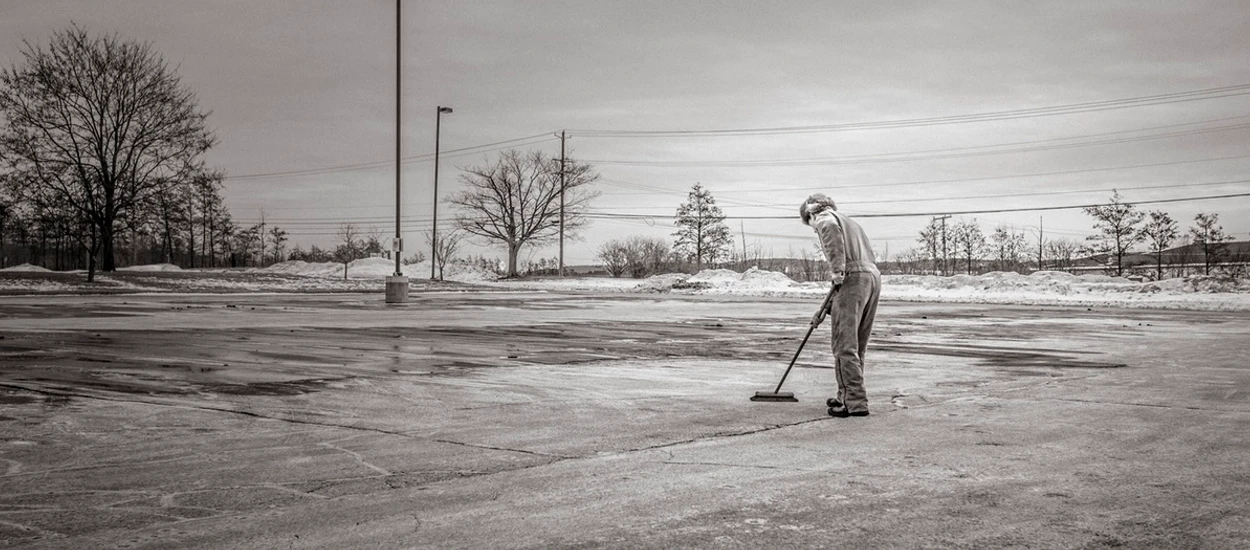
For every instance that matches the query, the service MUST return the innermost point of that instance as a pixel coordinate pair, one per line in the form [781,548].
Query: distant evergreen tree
[702,233]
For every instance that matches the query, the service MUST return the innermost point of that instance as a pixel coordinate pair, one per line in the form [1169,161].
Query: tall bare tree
[277,237]
[936,240]
[516,200]
[1158,232]
[101,122]
[1116,223]
[1008,248]
[969,241]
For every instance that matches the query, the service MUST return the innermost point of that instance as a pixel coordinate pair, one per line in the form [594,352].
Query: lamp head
[444,110]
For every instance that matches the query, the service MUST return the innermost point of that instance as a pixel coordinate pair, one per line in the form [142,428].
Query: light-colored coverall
[849,252]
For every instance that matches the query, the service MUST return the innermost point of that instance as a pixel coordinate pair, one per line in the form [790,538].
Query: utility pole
[1041,244]
[743,230]
[562,160]
[944,252]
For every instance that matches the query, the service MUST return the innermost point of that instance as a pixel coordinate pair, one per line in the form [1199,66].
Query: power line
[451,153]
[931,154]
[604,215]
[999,177]
[1045,193]
[599,214]
[1072,108]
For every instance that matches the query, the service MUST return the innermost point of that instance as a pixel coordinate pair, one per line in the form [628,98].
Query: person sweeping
[854,305]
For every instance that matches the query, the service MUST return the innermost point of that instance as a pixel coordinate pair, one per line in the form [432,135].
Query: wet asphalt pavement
[504,419]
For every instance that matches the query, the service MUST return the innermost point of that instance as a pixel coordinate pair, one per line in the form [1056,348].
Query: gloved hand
[818,318]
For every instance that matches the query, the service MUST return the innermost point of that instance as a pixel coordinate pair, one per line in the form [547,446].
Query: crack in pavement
[735,465]
[488,447]
[358,457]
[719,435]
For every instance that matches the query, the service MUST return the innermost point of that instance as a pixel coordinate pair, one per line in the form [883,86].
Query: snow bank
[28,268]
[378,268]
[153,267]
[1041,288]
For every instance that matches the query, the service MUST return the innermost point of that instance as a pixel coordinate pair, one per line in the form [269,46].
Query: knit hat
[815,204]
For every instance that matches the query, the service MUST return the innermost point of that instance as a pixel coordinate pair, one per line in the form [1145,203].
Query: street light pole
[398,134]
[438,122]
[397,284]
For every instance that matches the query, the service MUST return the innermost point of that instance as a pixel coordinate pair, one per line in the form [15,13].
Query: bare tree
[350,245]
[277,238]
[615,257]
[1008,246]
[446,249]
[968,241]
[1116,223]
[516,201]
[645,256]
[911,260]
[1210,237]
[100,122]
[1062,252]
[1158,233]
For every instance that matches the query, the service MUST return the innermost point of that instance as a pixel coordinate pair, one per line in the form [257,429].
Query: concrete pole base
[396,289]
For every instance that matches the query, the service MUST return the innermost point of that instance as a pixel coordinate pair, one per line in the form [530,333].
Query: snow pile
[467,273]
[753,281]
[1051,282]
[306,269]
[1041,288]
[153,267]
[377,268]
[661,283]
[28,268]
[1205,284]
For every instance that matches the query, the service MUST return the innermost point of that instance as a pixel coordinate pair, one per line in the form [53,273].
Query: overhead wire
[450,153]
[932,154]
[1054,110]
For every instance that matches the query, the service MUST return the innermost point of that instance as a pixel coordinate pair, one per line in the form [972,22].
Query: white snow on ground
[377,268]
[153,267]
[1041,288]
[27,267]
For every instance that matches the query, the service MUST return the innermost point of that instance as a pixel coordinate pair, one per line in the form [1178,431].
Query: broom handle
[824,306]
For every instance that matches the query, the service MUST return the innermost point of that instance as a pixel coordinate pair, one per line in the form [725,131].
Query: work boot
[843,412]
[833,403]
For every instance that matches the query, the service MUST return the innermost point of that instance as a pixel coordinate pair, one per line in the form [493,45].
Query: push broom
[777,394]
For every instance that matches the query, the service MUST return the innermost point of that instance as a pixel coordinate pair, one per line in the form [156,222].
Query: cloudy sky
[1006,112]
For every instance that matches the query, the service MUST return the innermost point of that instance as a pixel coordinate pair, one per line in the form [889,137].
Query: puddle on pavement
[287,360]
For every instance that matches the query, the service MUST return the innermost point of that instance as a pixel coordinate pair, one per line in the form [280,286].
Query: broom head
[784,396]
